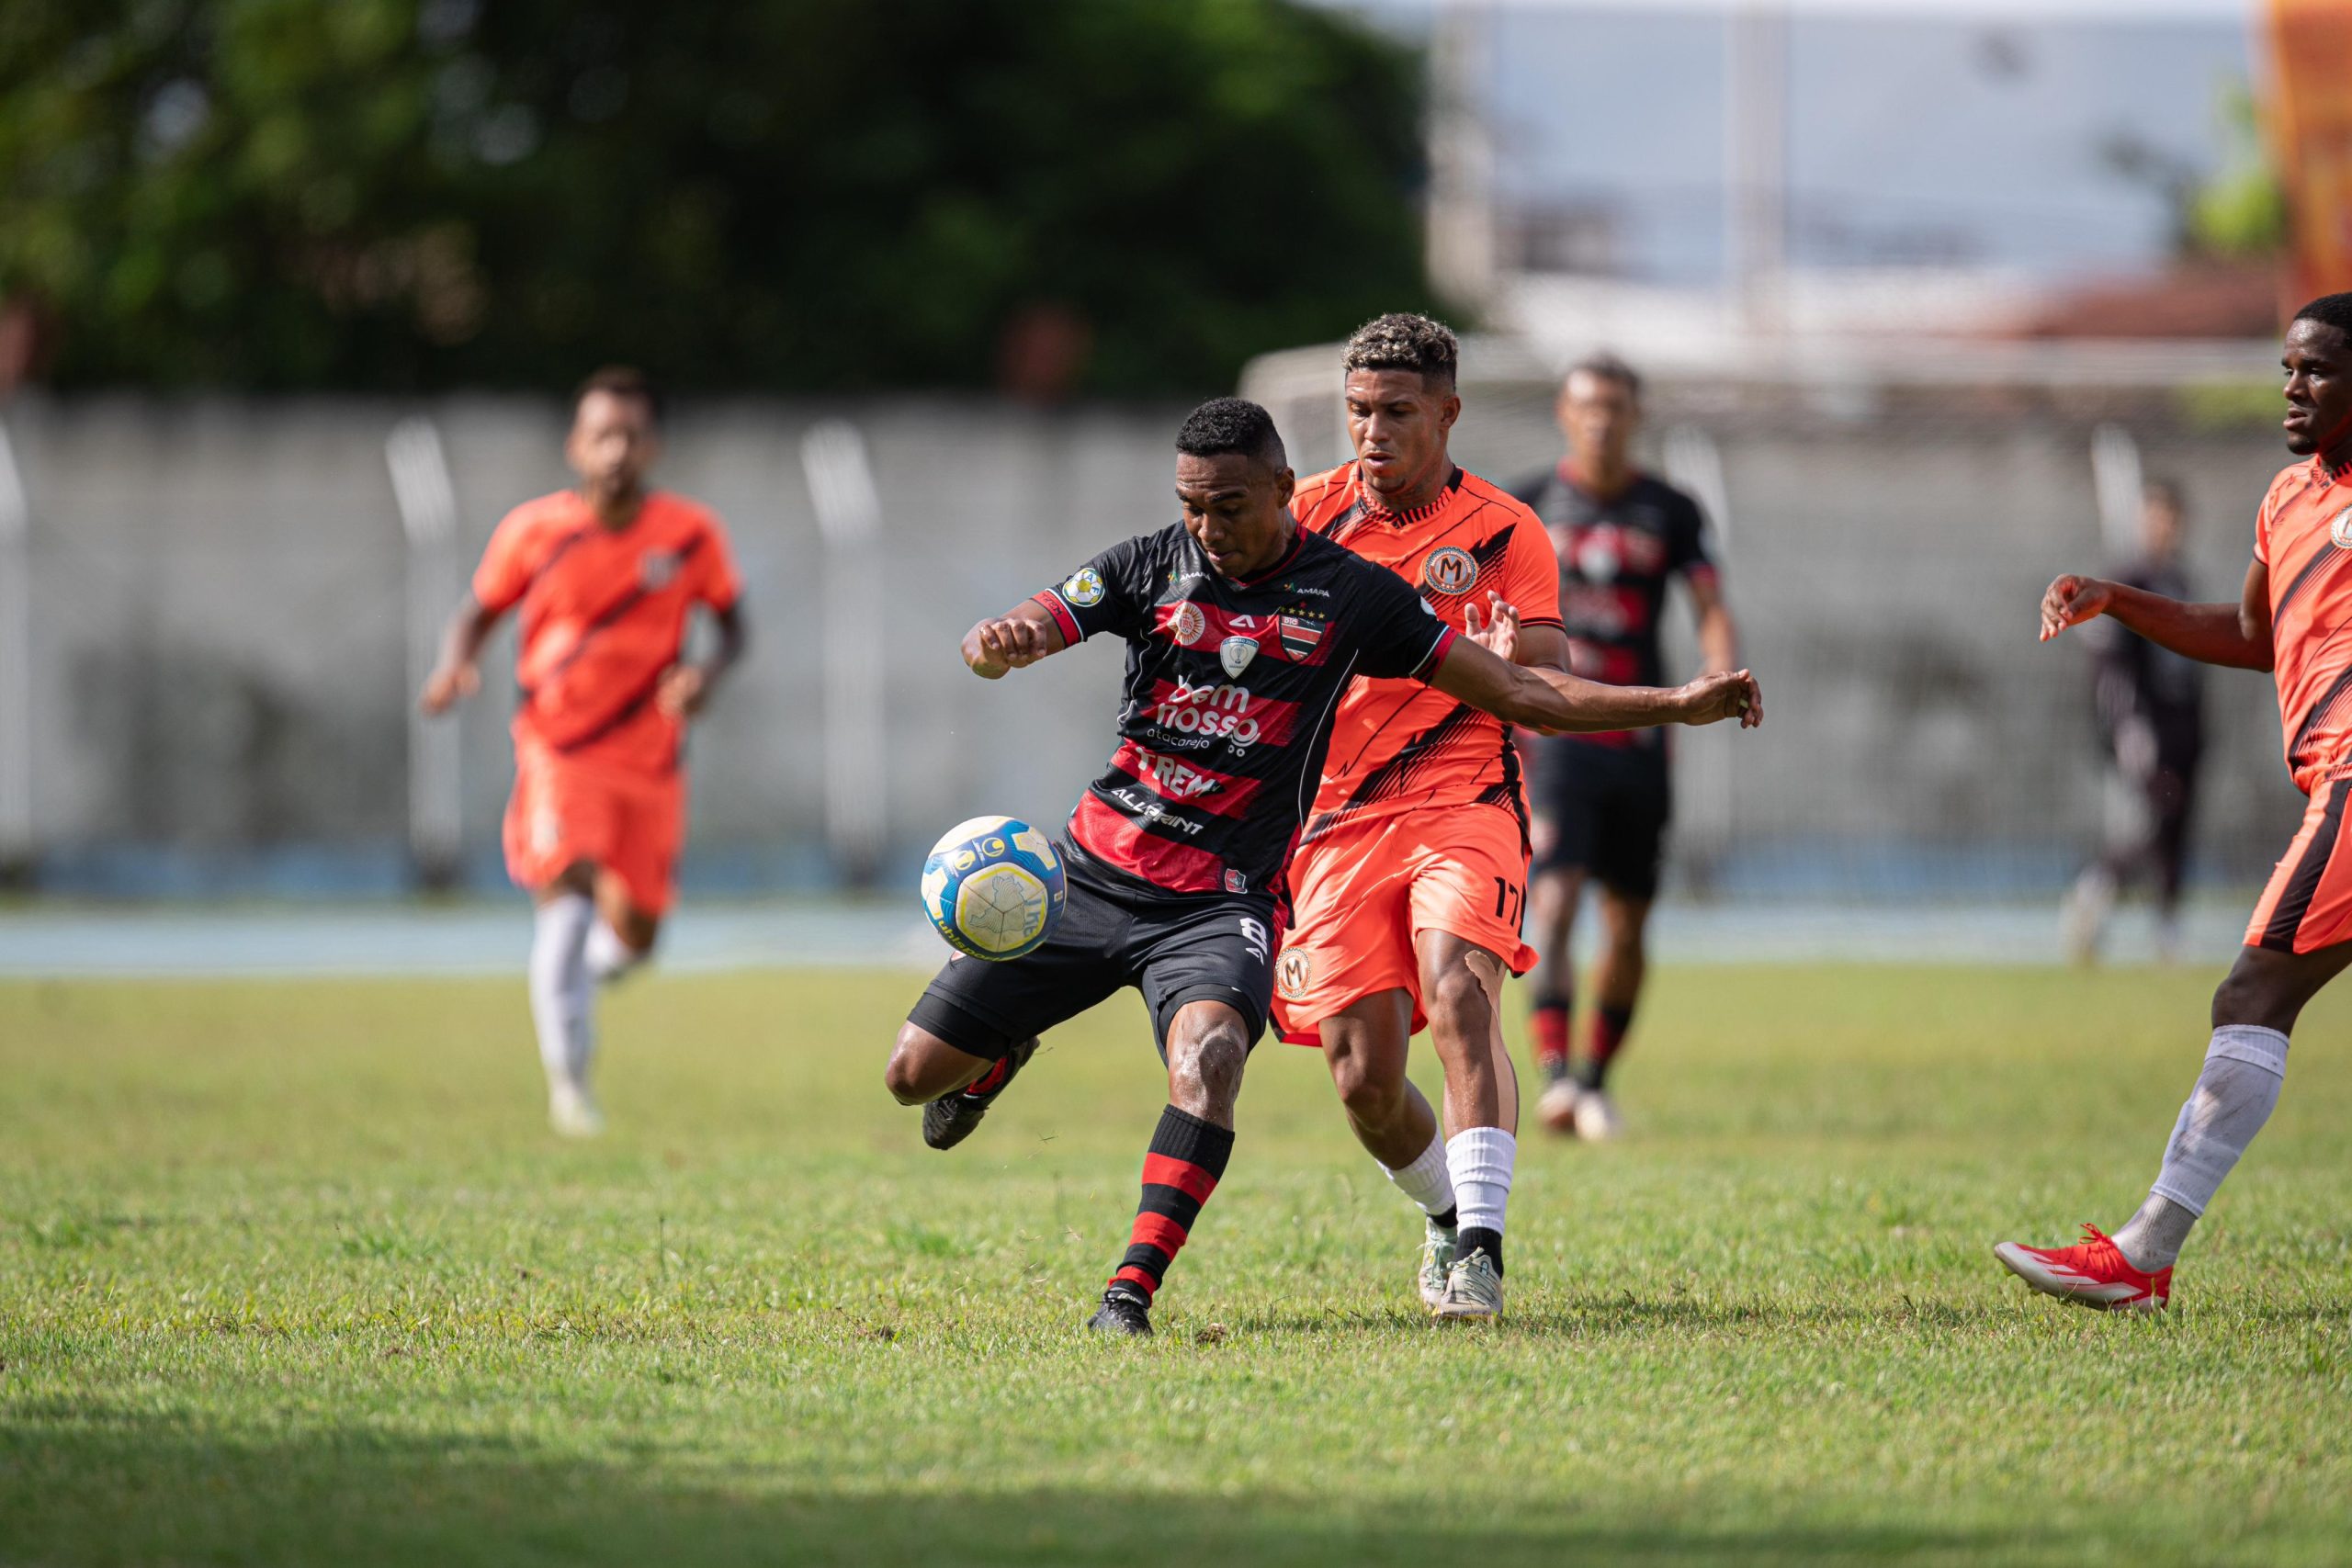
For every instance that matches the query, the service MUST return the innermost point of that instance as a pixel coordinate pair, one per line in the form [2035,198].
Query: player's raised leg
[1208,1044]
[1462,988]
[2245,1067]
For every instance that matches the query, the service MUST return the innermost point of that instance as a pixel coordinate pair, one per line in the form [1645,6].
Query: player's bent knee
[1206,1054]
[905,1076]
[1459,1004]
[2252,993]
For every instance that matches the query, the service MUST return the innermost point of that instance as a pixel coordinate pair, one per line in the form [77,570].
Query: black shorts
[1208,948]
[1608,806]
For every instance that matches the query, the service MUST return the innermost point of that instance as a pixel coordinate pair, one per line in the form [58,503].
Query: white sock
[562,994]
[2245,1067]
[1425,1180]
[1479,1161]
[609,957]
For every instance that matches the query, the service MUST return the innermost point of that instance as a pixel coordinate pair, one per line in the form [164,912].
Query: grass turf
[291,1273]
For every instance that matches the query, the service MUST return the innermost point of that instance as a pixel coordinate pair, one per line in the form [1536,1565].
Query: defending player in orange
[2291,619]
[1410,877]
[606,577]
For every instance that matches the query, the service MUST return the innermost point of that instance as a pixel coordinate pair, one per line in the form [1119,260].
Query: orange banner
[2310,125]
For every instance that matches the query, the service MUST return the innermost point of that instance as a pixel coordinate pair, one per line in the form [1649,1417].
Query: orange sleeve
[717,583]
[507,565]
[2262,524]
[1531,573]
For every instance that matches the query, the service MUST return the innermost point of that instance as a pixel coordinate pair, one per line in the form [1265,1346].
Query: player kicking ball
[1409,881]
[1242,631]
[2290,620]
[606,577]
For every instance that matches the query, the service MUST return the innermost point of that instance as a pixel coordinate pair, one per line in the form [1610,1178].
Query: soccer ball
[993,887]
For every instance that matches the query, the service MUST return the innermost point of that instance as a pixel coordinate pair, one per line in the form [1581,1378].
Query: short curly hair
[1231,424]
[1402,341]
[2329,311]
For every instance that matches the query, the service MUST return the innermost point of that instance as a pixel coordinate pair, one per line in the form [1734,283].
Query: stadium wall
[219,681]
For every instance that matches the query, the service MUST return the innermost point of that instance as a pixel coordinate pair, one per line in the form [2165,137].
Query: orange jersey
[2303,533]
[1401,745]
[603,616]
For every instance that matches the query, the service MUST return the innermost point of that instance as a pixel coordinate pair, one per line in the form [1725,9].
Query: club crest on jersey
[1235,882]
[658,569]
[2341,529]
[1084,587]
[1301,635]
[1450,571]
[1235,653]
[1292,974]
[1188,623]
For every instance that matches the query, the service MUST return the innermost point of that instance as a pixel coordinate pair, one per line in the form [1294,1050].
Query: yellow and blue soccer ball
[993,887]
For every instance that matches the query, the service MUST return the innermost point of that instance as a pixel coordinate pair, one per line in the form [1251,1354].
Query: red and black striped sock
[1609,1026]
[1549,1023]
[1187,1157]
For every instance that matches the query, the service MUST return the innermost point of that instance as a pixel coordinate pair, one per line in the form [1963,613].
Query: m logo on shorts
[2341,529]
[1292,974]
[1450,571]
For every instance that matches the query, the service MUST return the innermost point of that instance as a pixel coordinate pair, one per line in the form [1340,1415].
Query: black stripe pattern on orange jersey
[1396,774]
[2295,902]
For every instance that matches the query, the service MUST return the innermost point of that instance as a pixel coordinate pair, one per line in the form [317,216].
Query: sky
[1919,132]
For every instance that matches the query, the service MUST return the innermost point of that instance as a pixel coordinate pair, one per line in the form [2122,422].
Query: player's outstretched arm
[457,674]
[1012,641]
[2235,634]
[1559,704]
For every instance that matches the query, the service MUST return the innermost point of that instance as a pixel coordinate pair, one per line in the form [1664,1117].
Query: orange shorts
[2308,903]
[1360,895]
[626,823]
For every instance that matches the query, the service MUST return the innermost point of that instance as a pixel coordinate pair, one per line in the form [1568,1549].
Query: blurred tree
[1114,196]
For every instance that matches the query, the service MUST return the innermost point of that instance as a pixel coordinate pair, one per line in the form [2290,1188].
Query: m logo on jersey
[1450,571]
[1235,653]
[1084,587]
[657,571]
[2341,529]
[1292,974]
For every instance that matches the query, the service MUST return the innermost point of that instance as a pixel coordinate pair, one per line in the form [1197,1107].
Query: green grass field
[291,1273]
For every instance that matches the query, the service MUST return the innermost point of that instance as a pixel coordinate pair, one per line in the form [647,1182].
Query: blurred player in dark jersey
[2151,714]
[1602,802]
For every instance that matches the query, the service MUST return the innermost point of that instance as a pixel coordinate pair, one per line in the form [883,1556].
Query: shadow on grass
[1602,1316]
[104,1486]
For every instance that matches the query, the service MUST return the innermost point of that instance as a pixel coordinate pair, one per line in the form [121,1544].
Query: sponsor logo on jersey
[1223,710]
[1301,635]
[2341,529]
[657,569]
[1084,587]
[1292,973]
[1235,653]
[1450,571]
[1188,625]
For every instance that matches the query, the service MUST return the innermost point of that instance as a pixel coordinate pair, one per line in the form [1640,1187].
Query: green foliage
[2240,211]
[292,1273]
[779,194]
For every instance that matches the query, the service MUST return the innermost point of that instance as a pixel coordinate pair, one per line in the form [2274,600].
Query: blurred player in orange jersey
[1410,875]
[605,576]
[2291,619]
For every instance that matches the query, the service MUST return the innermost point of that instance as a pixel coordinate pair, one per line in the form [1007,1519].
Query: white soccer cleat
[1474,1292]
[1596,1116]
[1437,1260]
[1557,1107]
[572,1111]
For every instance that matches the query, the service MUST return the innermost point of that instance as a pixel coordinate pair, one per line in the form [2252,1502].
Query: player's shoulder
[1661,492]
[1528,488]
[682,513]
[1494,506]
[2290,484]
[556,509]
[1320,498]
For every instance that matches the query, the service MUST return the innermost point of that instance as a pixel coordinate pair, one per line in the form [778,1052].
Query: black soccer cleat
[1125,1313]
[949,1120]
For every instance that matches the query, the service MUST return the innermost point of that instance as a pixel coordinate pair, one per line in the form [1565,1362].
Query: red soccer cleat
[2093,1272]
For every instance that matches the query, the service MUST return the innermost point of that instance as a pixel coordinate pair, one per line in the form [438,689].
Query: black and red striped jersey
[1230,689]
[1617,554]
